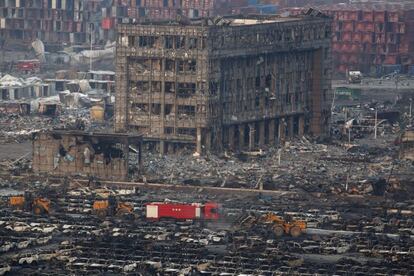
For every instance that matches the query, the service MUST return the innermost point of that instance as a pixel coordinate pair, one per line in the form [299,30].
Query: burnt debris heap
[219,83]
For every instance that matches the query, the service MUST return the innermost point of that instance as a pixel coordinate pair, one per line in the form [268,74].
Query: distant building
[13,88]
[238,83]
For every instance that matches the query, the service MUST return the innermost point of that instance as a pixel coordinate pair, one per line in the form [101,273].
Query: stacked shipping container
[167,9]
[372,38]
[69,21]
[52,21]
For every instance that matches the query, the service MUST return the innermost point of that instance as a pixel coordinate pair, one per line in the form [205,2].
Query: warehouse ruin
[87,154]
[237,83]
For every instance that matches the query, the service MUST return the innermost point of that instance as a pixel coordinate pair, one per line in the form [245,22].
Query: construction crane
[279,226]
[111,206]
[26,202]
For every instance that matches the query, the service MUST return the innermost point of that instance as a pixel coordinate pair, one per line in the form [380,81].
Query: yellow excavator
[280,226]
[111,206]
[26,202]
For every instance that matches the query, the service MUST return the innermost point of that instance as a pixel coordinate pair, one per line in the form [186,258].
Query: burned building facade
[237,83]
[85,154]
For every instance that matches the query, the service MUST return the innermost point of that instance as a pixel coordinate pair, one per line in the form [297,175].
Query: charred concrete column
[121,103]
[241,136]
[162,147]
[315,123]
[207,137]
[282,129]
[272,133]
[301,126]
[198,142]
[162,114]
[251,136]
[290,124]
[262,137]
[231,136]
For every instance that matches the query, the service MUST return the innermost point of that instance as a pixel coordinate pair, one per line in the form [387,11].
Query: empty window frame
[192,43]
[186,89]
[186,110]
[155,86]
[187,131]
[147,41]
[187,66]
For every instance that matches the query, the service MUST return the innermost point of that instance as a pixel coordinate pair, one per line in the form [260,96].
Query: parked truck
[183,211]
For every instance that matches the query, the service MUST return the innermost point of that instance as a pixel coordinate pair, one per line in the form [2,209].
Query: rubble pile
[300,165]
[18,128]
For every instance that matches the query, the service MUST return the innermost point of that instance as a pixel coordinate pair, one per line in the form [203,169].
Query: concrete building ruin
[79,153]
[237,83]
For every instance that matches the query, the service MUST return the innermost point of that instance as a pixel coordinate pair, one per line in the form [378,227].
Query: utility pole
[91,29]
[375,123]
[411,107]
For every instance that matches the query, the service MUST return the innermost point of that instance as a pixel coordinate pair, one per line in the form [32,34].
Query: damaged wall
[65,154]
[407,145]
[234,83]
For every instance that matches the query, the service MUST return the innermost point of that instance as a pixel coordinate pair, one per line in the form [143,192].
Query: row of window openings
[182,110]
[288,99]
[170,130]
[257,82]
[286,36]
[184,89]
[166,42]
[180,66]
[181,131]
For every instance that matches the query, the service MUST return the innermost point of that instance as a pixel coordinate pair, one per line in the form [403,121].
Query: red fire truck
[182,211]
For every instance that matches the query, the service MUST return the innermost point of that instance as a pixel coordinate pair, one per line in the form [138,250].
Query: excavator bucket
[124,208]
[41,206]
[246,220]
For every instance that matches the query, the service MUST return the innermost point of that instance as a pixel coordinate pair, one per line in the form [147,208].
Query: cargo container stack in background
[52,21]
[72,21]
[377,39]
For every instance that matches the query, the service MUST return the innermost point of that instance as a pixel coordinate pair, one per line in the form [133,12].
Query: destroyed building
[78,153]
[13,88]
[232,83]
[406,141]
